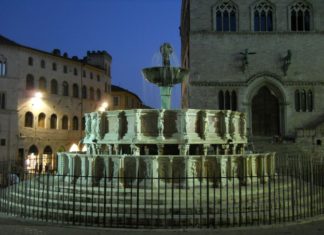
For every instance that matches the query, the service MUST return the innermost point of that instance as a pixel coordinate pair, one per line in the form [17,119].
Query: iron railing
[295,192]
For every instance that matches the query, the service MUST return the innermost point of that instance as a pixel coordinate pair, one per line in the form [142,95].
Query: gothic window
[2,100]
[84,92]
[263,16]
[91,93]
[30,82]
[29,119]
[54,87]
[65,86]
[43,64]
[41,120]
[30,61]
[300,16]
[53,124]
[227,100]
[75,123]
[54,66]
[304,101]
[225,16]
[42,84]
[75,90]
[65,122]
[98,94]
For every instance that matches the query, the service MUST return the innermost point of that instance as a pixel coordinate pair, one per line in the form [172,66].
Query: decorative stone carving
[161,123]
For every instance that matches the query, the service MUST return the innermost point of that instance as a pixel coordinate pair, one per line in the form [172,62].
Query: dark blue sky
[130,30]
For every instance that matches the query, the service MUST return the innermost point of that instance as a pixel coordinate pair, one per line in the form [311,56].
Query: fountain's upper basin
[165,76]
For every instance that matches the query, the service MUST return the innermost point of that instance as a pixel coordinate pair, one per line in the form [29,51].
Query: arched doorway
[265,113]
[32,159]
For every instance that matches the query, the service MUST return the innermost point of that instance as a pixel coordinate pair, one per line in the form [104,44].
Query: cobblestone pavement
[17,226]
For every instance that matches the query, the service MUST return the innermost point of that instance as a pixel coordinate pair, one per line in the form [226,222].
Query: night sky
[130,30]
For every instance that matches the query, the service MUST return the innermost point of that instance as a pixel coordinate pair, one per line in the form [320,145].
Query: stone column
[116,149]
[138,124]
[106,171]
[223,166]
[160,149]
[160,124]
[191,171]
[226,125]
[183,149]
[205,149]
[118,164]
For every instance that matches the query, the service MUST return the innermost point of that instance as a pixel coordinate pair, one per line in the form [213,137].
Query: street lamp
[103,106]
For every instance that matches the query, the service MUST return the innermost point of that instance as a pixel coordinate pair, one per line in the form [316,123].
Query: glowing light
[84,148]
[103,107]
[38,95]
[74,148]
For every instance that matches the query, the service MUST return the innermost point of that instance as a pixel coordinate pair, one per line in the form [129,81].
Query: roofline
[123,89]
[14,44]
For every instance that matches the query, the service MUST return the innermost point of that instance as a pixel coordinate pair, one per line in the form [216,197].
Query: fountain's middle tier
[131,131]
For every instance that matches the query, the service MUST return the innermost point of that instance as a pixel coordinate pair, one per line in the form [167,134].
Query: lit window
[53,121]
[225,16]
[65,122]
[41,120]
[29,119]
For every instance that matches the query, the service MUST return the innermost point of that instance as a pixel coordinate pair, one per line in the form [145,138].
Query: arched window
[303,100]
[29,119]
[54,67]
[233,101]
[300,16]
[98,94]
[225,17]
[65,87]
[75,90]
[33,150]
[41,120]
[310,104]
[42,64]
[30,85]
[221,100]
[227,100]
[75,123]
[84,92]
[83,123]
[42,84]
[30,61]
[297,100]
[263,16]
[54,87]
[91,93]
[65,122]
[53,121]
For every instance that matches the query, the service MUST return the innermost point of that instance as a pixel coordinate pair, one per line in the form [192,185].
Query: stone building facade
[43,100]
[261,57]
[124,99]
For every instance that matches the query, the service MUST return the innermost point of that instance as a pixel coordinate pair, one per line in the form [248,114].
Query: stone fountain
[165,143]
[165,77]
